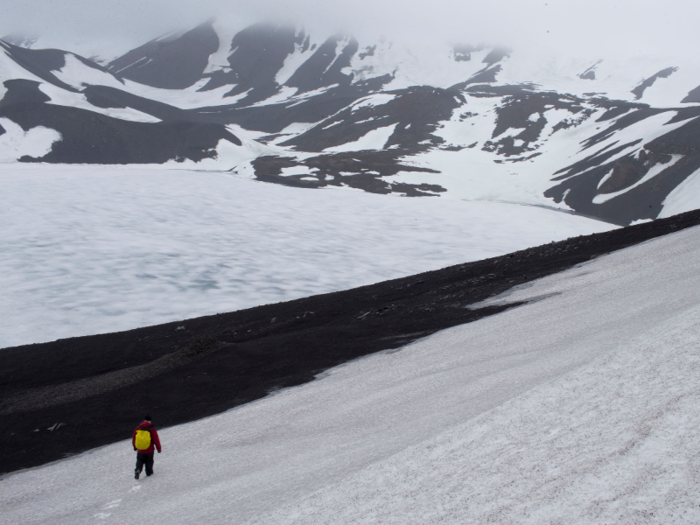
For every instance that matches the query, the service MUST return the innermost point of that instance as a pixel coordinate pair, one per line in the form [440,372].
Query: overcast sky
[634,26]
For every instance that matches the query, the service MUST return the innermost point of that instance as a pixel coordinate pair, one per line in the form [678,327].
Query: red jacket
[146,425]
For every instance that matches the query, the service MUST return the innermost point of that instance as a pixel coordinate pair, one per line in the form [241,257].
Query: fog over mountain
[591,27]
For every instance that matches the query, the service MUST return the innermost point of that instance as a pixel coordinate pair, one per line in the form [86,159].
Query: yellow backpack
[143,439]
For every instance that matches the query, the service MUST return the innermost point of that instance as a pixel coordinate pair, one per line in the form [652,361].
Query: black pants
[144,459]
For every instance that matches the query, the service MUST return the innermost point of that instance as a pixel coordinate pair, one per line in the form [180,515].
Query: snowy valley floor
[97,249]
[580,405]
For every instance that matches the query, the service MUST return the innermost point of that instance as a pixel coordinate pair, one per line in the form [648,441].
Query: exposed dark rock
[589,74]
[365,170]
[595,160]
[614,108]
[92,138]
[645,201]
[108,97]
[325,67]
[368,52]
[524,109]
[629,170]
[496,55]
[273,118]
[664,73]
[259,52]
[685,113]
[484,90]
[523,159]
[24,92]
[415,112]
[623,122]
[40,62]
[613,113]
[486,75]
[170,63]
[463,52]
[692,97]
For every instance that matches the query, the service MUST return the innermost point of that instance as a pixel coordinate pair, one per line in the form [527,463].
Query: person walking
[145,440]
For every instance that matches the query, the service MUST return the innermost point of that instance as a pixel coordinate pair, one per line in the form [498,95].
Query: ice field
[86,250]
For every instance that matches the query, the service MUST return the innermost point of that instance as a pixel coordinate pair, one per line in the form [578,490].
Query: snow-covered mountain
[607,138]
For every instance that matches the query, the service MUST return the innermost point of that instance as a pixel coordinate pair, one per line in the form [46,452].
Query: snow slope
[581,406]
[472,174]
[88,250]
[16,142]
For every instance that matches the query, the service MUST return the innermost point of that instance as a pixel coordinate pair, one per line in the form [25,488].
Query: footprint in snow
[111,505]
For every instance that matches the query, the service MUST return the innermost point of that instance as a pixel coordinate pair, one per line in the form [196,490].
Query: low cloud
[593,27]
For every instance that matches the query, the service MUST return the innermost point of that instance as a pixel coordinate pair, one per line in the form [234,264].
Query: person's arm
[133,439]
[156,439]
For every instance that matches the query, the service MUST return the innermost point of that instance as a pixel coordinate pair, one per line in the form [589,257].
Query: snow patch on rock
[16,143]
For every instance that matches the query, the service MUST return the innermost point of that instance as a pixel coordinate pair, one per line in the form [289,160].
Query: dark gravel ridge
[100,386]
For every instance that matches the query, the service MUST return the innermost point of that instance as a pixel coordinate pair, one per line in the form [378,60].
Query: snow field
[372,140]
[62,97]
[87,249]
[16,143]
[614,441]
[617,73]
[78,75]
[579,407]
[685,197]
[218,61]
[9,69]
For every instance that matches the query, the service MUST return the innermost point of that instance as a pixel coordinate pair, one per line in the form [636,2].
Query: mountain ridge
[308,100]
